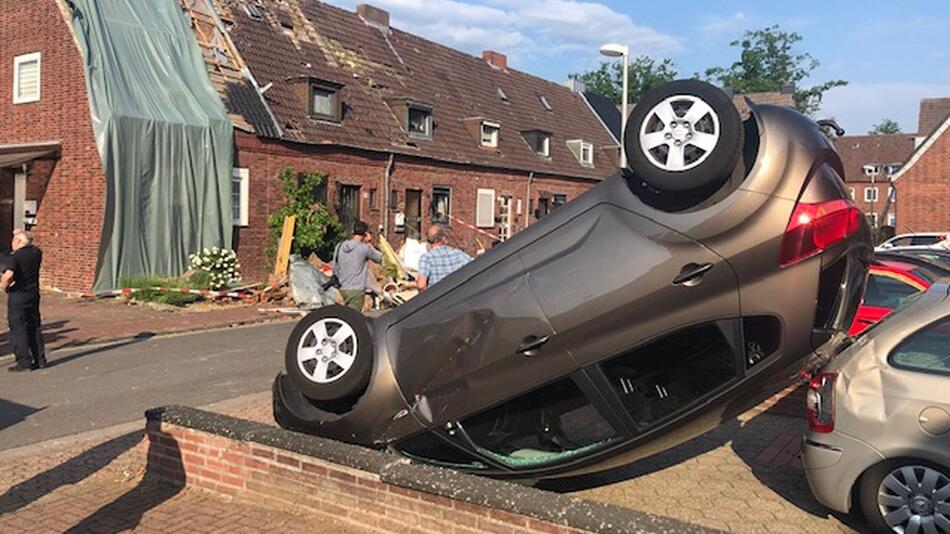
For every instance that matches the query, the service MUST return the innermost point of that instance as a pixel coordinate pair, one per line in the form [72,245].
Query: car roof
[920,234]
[934,260]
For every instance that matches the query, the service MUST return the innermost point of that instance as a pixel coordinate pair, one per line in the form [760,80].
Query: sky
[891,53]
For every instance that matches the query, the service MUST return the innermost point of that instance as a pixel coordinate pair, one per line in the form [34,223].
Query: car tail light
[815,227]
[820,401]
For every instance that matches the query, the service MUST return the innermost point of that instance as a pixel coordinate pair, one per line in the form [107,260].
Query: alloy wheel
[915,499]
[679,133]
[327,350]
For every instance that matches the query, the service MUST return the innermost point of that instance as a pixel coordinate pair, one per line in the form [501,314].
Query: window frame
[448,211]
[495,134]
[911,368]
[373,199]
[335,103]
[544,102]
[871,192]
[531,137]
[429,121]
[241,177]
[18,62]
[479,193]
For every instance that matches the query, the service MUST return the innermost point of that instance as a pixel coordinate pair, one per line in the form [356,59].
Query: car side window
[657,380]
[886,292]
[552,424]
[927,350]
[924,240]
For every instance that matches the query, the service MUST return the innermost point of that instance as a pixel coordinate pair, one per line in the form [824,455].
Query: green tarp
[163,135]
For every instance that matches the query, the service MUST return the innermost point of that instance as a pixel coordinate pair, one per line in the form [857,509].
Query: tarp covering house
[163,135]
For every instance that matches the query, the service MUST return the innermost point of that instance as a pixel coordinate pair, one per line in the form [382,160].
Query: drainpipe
[527,200]
[386,175]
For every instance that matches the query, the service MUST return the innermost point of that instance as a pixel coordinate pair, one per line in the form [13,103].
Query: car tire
[876,497]
[330,353]
[685,135]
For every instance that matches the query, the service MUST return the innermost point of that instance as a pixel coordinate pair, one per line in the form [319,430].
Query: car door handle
[532,344]
[691,274]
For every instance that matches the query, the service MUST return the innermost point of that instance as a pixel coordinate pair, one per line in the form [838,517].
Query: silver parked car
[879,421]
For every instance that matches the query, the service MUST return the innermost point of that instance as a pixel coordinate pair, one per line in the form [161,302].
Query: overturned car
[727,258]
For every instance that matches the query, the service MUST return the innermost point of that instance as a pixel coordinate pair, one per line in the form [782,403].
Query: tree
[317,230]
[885,127]
[767,62]
[644,74]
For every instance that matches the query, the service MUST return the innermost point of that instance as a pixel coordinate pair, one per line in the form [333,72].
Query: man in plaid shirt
[440,260]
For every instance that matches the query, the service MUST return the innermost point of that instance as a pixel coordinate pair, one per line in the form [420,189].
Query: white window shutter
[485,208]
[240,196]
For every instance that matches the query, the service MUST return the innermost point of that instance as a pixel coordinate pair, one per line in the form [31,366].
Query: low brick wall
[287,470]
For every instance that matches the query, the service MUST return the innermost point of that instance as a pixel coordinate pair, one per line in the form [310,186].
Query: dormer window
[489,134]
[583,151]
[545,103]
[419,121]
[539,141]
[325,101]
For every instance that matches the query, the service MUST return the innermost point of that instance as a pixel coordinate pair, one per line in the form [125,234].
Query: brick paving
[71,321]
[98,486]
[742,477]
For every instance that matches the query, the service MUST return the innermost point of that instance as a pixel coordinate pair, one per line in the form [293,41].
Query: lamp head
[614,50]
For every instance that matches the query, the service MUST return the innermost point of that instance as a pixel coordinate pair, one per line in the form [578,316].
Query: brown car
[630,319]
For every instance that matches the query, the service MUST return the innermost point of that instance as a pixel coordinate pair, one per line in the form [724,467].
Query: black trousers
[23,314]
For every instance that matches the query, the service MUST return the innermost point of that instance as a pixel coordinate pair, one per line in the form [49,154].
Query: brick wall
[924,190]
[280,479]
[71,190]
[265,159]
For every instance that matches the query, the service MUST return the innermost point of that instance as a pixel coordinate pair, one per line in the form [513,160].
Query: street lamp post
[619,50]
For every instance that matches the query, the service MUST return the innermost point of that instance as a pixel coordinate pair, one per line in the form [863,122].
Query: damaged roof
[380,69]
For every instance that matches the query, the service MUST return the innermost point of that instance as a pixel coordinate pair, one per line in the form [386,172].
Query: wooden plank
[283,248]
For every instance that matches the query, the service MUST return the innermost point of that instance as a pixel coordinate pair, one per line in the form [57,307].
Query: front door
[414,213]
[348,205]
[12,200]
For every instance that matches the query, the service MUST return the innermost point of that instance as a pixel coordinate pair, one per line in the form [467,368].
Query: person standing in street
[440,260]
[349,265]
[21,282]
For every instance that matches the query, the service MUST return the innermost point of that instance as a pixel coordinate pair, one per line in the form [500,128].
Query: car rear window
[886,292]
[927,350]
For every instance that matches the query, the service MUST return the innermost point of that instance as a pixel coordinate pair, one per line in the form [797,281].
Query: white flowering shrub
[217,266]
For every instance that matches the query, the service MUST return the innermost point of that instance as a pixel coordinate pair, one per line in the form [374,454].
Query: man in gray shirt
[349,265]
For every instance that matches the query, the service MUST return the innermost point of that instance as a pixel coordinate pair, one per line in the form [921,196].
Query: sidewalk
[72,321]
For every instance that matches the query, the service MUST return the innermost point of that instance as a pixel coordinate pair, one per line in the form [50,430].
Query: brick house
[408,131]
[923,184]
[870,162]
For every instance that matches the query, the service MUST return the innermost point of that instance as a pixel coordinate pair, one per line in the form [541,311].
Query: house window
[540,142]
[872,218]
[545,103]
[240,193]
[419,121]
[872,170]
[485,208]
[441,205]
[891,220]
[325,101]
[582,150]
[394,199]
[501,94]
[851,192]
[489,134]
[893,168]
[373,201]
[870,194]
[26,78]
[559,200]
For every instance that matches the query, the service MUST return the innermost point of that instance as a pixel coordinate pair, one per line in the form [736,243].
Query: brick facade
[70,191]
[924,190]
[265,160]
[885,153]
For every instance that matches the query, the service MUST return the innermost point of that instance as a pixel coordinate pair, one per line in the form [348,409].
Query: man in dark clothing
[21,282]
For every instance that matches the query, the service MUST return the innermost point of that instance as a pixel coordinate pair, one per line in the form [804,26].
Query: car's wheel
[330,353]
[684,135]
[906,496]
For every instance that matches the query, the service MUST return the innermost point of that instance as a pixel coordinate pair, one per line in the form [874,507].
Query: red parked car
[889,282]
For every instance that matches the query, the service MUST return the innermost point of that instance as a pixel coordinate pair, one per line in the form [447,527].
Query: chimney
[575,85]
[373,16]
[499,61]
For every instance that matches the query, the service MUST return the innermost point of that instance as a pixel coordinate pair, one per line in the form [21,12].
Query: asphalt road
[92,388]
